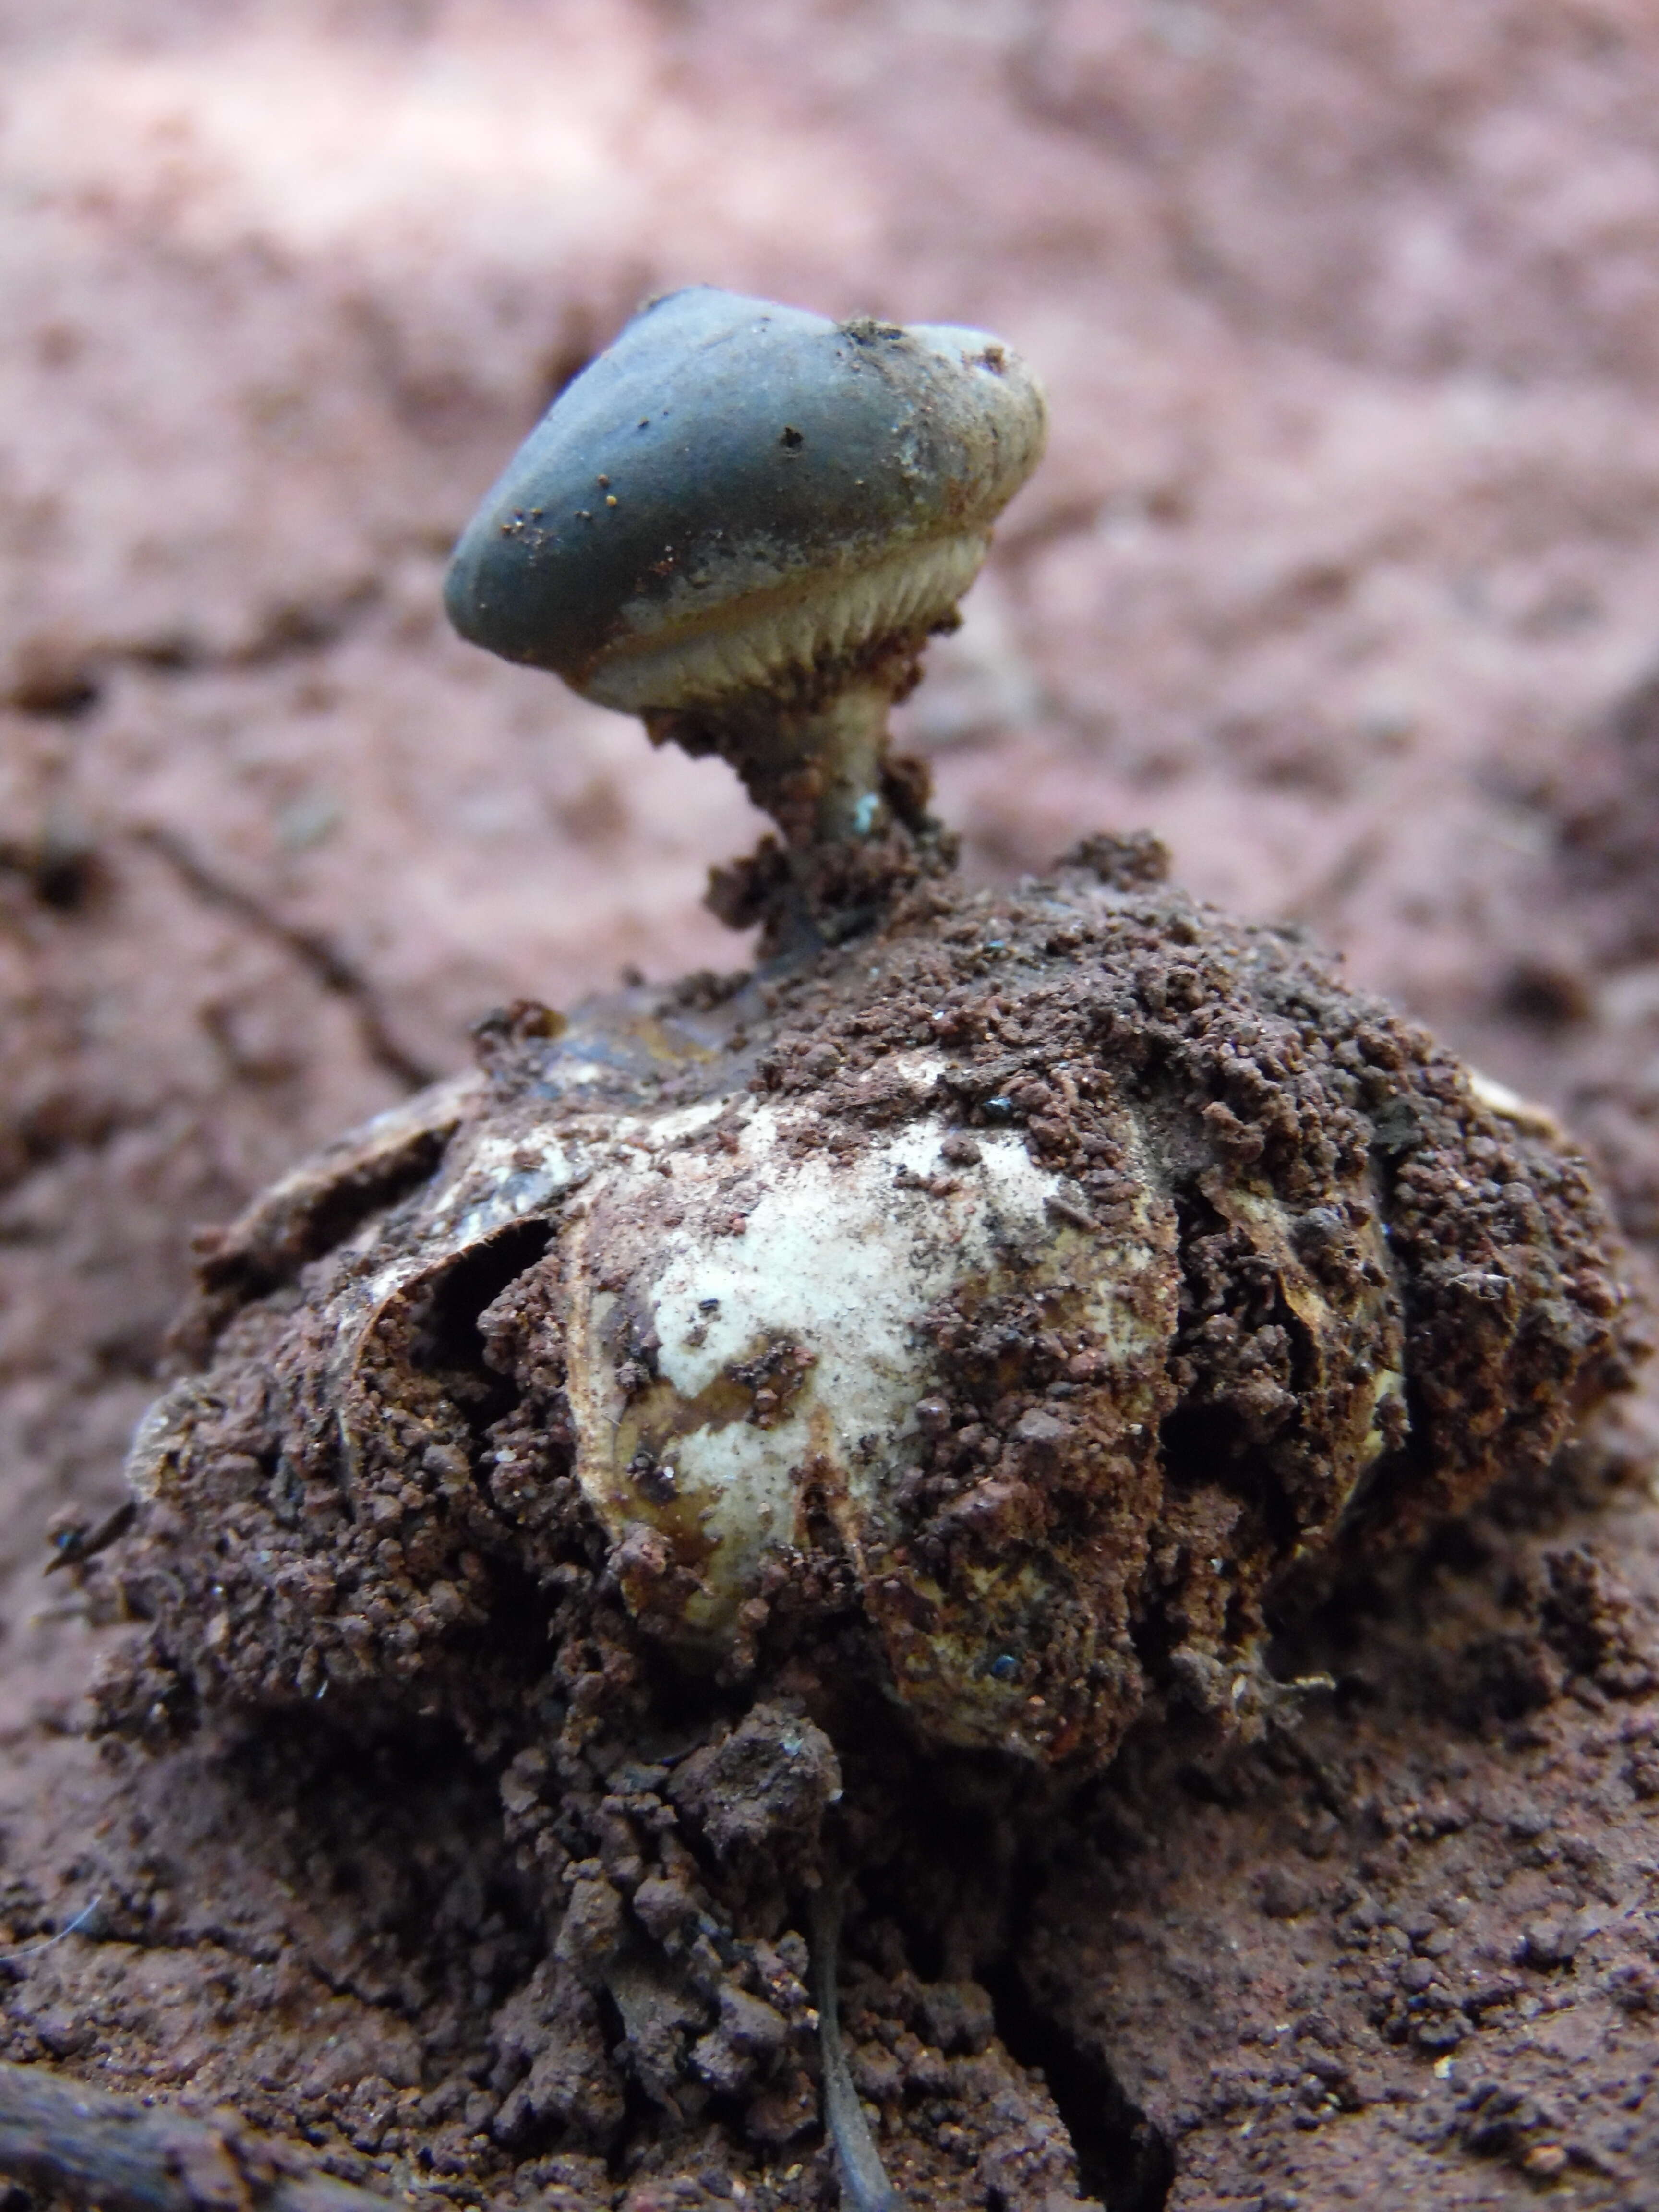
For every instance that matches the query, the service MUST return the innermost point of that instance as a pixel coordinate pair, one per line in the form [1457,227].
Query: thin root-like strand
[61,2139]
[864,2184]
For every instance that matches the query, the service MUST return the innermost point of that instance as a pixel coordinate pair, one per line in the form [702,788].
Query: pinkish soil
[1341,576]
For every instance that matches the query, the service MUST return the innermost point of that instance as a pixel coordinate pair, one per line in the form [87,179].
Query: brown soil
[1340,577]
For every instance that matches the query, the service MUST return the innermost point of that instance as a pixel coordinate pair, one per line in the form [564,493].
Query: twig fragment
[865,2185]
[64,2139]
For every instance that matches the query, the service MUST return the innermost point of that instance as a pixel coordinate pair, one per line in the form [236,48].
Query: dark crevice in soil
[450,1341]
[313,951]
[55,692]
[38,1141]
[963,1886]
[405,1823]
[68,685]
[514,1646]
[1122,2157]
[58,867]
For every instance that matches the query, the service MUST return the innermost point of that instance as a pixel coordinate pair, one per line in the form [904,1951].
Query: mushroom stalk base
[852,816]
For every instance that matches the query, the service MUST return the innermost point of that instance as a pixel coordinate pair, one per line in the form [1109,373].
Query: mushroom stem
[865,2185]
[817,771]
[815,764]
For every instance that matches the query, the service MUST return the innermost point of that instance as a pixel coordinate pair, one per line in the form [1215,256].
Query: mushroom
[743,521]
[943,1345]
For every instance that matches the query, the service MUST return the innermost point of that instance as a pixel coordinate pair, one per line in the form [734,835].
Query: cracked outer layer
[986,1316]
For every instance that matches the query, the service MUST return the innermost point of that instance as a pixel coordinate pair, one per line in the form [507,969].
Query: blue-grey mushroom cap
[735,494]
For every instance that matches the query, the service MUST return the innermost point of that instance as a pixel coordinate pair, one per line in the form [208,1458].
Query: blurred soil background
[1342,575]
